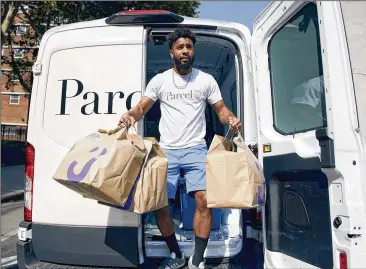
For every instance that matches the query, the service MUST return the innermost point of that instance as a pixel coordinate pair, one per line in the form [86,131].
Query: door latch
[326,144]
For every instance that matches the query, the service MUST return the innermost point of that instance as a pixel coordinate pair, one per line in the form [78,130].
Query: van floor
[149,264]
[154,263]
[152,232]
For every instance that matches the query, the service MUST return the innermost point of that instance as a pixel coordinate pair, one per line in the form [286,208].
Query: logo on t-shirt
[190,95]
[177,96]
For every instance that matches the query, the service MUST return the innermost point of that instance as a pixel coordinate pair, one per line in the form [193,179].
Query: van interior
[216,56]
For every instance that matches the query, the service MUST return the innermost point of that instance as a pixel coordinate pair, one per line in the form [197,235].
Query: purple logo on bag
[261,194]
[73,177]
[130,196]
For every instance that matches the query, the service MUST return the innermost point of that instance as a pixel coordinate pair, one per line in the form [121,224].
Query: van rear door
[307,137]
[88,76]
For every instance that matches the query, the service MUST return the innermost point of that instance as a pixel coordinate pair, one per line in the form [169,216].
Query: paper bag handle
[119,128]
[233,133]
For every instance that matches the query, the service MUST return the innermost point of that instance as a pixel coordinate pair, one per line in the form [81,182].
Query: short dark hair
[180,32]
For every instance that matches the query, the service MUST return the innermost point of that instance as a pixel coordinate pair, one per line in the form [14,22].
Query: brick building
[14,97]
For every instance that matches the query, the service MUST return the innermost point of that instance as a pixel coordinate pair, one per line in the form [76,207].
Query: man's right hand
[138,111]
[126,121]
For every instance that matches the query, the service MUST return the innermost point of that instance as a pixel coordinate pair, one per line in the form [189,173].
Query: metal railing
[13,141]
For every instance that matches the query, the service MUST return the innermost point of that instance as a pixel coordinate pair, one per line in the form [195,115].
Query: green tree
[43,15]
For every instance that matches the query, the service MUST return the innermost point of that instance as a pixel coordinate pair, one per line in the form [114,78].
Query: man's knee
[162,212]
[201,202]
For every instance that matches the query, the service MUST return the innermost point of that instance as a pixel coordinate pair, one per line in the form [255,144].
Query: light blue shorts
[192,162]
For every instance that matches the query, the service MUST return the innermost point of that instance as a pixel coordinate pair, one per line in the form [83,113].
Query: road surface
[12,178]
[11,215]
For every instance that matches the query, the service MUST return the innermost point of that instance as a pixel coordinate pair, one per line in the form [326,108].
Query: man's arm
[136,113]
[226,116]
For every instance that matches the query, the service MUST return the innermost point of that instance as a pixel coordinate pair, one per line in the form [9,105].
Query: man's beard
[185,65]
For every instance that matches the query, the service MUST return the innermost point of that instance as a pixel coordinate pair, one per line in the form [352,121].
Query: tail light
[29,181]
[343,260]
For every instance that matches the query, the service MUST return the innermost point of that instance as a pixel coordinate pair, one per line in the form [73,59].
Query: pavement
[11,215]
[12,183]
[12,212]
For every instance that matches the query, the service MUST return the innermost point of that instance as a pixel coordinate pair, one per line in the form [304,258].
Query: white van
[297,83]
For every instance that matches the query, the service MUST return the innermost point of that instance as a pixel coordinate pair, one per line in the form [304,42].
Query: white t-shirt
[183,104]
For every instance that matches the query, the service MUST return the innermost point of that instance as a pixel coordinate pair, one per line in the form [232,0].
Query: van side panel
[89,78]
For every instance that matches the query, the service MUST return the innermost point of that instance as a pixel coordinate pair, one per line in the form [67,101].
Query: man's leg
[166,227]
[163,217]
[202,226]
[193,165]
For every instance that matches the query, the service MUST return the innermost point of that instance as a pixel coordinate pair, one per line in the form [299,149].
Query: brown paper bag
[234,178]
[103,166]
[149,192]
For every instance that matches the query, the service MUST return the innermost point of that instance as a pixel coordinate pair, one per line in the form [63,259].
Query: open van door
[86,76]
[307,137]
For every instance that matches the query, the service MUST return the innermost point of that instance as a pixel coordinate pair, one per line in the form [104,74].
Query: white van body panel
[56,133]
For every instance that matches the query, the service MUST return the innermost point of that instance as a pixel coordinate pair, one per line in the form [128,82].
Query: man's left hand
[235,125]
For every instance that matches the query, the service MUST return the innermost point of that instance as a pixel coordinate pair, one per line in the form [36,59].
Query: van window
[297,74]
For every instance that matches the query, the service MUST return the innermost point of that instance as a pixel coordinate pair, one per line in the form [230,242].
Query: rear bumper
[107,247]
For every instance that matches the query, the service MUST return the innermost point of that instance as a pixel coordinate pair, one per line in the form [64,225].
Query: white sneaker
[191,266]
[173,262]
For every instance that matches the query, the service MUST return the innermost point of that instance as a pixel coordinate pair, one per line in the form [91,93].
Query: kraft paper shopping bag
[234,175]
[103,166]
[149,192]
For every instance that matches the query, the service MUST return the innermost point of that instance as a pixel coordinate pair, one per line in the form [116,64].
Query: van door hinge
[354,236]
[37,69]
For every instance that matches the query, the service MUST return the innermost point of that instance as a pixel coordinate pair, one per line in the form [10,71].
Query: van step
[46,265]
[153,263]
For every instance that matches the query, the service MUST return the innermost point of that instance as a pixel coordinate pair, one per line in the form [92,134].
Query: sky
[243,12]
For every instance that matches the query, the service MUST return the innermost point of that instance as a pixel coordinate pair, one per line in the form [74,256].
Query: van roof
[102,23]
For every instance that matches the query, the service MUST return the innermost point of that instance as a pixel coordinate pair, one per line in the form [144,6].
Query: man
[183,92]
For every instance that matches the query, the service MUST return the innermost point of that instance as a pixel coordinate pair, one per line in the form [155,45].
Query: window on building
[18,53]
[20,29]
[14,99]
[297,74]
